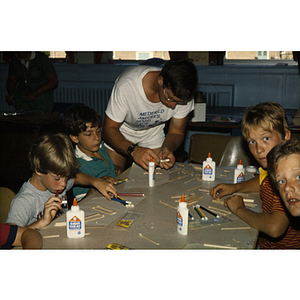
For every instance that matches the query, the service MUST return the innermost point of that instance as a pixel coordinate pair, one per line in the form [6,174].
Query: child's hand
[110,179]
[106,187]
[222,190]
[234,203]
[50,209]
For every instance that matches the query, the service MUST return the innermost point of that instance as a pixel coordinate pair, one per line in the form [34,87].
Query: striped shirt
[271,202]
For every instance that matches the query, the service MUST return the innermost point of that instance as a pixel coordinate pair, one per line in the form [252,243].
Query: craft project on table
[138,178]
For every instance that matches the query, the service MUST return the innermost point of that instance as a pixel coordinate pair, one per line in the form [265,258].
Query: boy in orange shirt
[284,171]
[263,126]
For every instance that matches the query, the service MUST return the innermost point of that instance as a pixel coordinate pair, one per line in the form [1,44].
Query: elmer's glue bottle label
[182,217]
[75,221]
[239,173]
[209,169]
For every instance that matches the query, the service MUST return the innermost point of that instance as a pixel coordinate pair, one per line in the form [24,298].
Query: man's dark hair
[181,77]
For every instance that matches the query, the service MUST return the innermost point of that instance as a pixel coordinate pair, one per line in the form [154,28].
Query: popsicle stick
[179,177]
[104,210]
[186,195]
[94,217]
[219,246]
[234,228]
[195,187]
[190,180]
[157,244]
[220,210]
[51,236]
[202,190]
[60,224]
[175,170]
[167,204]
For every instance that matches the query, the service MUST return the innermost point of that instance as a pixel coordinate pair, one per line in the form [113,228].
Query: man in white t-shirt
[142,100]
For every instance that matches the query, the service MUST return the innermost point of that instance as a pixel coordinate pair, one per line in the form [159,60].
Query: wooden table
[157,220]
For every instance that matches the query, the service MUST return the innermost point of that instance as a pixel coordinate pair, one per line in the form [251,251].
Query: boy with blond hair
[54,167]
[263,127]
[284,171]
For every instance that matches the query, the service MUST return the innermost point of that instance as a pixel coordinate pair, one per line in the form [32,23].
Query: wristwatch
[131,148]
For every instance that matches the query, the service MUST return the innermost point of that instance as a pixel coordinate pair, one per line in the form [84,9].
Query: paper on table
[108,218]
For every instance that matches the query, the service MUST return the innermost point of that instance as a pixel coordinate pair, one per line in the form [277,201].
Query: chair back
[202,143]
[237,149]
[6,195]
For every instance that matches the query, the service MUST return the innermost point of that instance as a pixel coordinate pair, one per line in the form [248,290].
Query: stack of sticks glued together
[189,198]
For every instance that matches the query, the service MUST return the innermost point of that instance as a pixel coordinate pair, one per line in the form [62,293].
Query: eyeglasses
[172,100]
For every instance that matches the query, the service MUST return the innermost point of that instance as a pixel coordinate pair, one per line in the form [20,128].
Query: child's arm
[50,210]
[223,189]
[28,238]
[274,223]
[105,187]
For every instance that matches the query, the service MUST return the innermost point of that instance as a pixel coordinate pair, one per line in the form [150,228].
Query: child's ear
[37,172]
[287,135]
[74,138]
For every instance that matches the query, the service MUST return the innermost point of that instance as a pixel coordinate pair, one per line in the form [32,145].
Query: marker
[210,212]
[126,203]
[121,180]
[192,218]
[131,194]
[201,212]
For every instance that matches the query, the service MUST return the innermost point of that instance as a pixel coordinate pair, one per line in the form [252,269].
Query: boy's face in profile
[51,182]
[288,180]
[88,141]
[261,141]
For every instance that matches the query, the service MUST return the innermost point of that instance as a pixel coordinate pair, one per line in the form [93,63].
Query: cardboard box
[199,112]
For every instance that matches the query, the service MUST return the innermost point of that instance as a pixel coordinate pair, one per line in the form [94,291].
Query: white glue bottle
[209,169]
[151,172]
[75,221]
[239,173]
[182,217]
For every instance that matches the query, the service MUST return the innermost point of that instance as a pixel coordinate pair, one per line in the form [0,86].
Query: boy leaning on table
[54,167]
[284,171]
[263,126]
[83,125]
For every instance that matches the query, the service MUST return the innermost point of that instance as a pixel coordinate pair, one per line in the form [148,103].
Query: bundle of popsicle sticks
[189,198]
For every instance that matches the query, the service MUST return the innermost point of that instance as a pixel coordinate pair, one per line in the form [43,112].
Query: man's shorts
[151,138]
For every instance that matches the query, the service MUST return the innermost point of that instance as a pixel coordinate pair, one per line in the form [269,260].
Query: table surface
[157,221]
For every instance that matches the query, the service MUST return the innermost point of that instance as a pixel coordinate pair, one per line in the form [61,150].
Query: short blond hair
[268,115]
[54,154]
